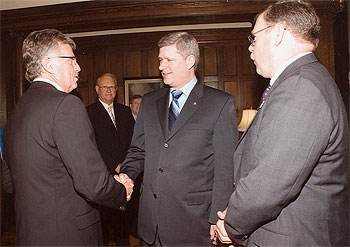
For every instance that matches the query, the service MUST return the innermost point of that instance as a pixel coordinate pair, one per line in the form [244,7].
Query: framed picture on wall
[141,87]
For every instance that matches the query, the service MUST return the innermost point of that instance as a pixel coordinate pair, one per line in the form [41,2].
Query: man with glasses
[291,166]
[49,146]
[113,126]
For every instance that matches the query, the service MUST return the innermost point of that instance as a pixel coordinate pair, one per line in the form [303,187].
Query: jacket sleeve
[75,142]
[225,136]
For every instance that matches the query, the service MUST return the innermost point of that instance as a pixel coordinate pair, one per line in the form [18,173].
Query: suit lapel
[310,58]
[193,102]
[163,111]
[105,115]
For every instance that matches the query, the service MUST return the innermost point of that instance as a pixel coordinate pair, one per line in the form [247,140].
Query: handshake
[127,182]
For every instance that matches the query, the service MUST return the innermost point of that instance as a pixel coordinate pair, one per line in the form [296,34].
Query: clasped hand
[127,182]
[220,231]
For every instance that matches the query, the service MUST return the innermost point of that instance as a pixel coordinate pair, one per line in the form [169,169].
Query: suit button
[244,237]
[166,145]
[161,170]
[155,196]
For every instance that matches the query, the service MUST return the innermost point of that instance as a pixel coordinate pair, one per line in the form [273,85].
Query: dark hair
[298,16]
[136,96]
[186,44]
[37,45]
[106,74]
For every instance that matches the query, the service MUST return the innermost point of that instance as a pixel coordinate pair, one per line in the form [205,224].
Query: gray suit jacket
[188,173]
[56,170]
[291,165]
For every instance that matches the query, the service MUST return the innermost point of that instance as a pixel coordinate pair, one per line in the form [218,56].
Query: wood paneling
[224,62]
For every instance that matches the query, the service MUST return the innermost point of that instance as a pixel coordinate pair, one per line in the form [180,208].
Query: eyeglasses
[105,88]
[252,37]
[69,57]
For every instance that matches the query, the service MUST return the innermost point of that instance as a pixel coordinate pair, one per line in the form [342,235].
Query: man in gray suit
[56,169]
[184,144]
[291,165]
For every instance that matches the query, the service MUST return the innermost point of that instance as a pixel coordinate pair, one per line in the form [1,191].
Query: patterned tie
[174,109]
[262,99]
[110,112]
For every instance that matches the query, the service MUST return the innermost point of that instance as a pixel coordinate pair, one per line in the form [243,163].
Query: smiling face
[65,71]
[261,49]
[106,89]
[135,105]
[176,70]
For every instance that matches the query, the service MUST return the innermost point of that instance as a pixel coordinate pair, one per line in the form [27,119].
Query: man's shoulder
[214,92]
[93,106]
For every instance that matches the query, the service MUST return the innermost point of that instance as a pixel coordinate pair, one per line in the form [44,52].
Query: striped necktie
[110,112]
[174,109]
[262,99]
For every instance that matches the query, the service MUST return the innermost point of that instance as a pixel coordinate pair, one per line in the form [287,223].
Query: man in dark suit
[188,168]
[113,126]
[56,169]
[291,165]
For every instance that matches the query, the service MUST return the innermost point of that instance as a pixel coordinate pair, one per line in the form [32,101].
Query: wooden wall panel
[230,60]
[153,63]
[132,67]
[210,61]
[117,64]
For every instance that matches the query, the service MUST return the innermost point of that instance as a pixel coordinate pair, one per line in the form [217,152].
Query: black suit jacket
[56,170]
[188,173]
[113,143]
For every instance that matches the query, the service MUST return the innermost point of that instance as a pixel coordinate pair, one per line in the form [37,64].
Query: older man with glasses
[291,165]
[113,126]
[55,166]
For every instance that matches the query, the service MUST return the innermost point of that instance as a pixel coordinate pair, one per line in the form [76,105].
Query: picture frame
[141,87]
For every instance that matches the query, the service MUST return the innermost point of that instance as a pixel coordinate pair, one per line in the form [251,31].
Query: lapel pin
[194,102]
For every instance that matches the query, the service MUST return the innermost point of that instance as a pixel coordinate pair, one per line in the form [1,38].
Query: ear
[47,66]
[280,34]
[190,60]
[96,88]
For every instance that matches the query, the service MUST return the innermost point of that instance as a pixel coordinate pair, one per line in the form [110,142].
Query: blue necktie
[174,109]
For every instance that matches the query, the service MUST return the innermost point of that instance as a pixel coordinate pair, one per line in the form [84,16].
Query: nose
[77,67]
[162,65]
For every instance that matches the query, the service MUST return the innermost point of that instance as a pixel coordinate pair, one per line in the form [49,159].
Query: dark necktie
[262,99]
[174,109]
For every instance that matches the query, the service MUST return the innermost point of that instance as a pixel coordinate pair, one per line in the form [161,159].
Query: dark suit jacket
[112,143]
[188,173]
[291,165]
[56,170]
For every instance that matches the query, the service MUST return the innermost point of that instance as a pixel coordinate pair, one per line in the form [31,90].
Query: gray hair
[37,45]
[106,74]
[186,44]
[298,16]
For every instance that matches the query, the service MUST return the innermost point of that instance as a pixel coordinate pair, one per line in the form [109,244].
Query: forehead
[107,80]
[260,23]
[65,49]
[137,100]
[168,51]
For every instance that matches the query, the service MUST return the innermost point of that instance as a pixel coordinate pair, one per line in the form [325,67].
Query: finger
[116,177]
[221,215]
[122,178]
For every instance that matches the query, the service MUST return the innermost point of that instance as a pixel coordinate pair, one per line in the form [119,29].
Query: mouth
[165,73]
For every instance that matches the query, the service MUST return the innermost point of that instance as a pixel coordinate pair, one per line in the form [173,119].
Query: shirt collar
[186,90]
[285,65]
[105,105]
[58,87]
